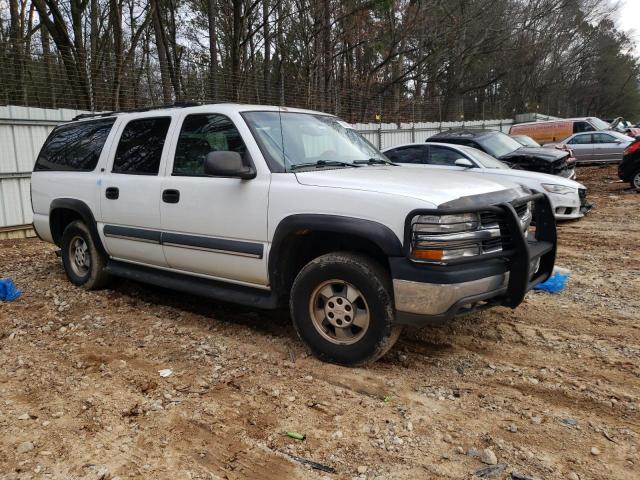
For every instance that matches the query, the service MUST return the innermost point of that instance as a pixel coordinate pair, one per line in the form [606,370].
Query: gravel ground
[547,391]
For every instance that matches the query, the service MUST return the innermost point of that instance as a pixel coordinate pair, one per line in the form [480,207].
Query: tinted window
[443,156]
[412,154]
[582,127]
[581,140]
[75,147]
[200,135]
[498,144]
[603,138]
[140,147]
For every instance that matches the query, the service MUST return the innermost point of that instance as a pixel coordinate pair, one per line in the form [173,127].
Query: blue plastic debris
[8,290]
[554,284]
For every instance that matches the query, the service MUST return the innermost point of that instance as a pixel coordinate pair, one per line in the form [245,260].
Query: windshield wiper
[323,163]
[373,161]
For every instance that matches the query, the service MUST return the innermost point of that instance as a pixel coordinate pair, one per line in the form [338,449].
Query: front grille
[491,219]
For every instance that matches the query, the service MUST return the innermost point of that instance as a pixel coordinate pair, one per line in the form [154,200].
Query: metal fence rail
[23,130]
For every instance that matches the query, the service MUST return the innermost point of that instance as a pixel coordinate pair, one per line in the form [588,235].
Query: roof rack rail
[133,110]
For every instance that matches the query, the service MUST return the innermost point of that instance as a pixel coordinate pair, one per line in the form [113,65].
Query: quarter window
[443,156]
[140,147]
[411,154]
[200,135]
[74,147]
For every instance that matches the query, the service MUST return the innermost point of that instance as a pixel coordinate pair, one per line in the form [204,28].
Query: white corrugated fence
[23,130]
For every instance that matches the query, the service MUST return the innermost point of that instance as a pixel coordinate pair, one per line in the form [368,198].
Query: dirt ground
[552,389]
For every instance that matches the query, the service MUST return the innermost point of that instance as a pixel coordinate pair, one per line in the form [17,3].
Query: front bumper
[434,293]
[569,206]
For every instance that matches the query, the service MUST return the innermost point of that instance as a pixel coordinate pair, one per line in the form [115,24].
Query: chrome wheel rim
[339,312]
[636,181]
[79,257]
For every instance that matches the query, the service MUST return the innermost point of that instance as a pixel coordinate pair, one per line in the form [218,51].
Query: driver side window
[581,140]
[443,156]
[201,134]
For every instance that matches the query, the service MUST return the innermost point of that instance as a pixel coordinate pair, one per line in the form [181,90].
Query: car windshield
[526,141]
[487,161]
[296,140]
[599,124]
[498,144]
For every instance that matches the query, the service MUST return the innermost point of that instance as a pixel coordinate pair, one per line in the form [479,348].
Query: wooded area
[410,60]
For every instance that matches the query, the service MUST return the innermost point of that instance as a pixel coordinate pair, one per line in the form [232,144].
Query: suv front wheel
[342,308]
[83,263]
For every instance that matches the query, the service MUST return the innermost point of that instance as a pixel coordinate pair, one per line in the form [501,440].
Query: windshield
[487,161]
[599,124]
[526,141]
[498,144]
[292,139]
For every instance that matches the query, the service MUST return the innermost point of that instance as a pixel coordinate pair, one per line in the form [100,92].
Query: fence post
[413,132]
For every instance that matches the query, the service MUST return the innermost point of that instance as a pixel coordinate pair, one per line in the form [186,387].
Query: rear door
[607,147]
[582,146]
[130,192]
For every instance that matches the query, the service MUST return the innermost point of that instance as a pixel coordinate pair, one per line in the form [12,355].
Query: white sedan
[567,197]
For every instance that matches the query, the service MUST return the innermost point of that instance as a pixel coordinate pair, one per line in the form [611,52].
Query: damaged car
[509,151]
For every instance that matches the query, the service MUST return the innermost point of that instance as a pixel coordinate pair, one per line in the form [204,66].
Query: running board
[203,287]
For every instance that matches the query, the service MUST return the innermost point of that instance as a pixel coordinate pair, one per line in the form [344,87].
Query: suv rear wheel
[83,263]
[342,308]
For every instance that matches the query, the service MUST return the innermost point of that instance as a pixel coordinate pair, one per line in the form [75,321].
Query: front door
[582,146]
[130,192]
[214,226]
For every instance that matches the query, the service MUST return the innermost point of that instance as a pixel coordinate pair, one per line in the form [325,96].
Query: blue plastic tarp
[8,290]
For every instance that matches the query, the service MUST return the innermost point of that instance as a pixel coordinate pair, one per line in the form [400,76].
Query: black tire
[373,285]
[92,276]
[635,180]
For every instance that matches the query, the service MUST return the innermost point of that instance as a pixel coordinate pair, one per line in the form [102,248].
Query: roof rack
[134,110]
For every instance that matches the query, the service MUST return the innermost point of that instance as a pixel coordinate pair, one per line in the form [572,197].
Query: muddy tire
[83,263]
[342,308]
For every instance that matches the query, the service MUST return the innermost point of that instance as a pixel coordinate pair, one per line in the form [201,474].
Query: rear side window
[74,147]
[140,147]
[412,154]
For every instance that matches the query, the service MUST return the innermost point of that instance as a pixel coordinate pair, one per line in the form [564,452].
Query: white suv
[262,205]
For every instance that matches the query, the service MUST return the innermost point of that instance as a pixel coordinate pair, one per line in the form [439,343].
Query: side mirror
[463,162]
[227,164]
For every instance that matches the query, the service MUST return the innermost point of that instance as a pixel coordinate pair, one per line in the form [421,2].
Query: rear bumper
[431,294]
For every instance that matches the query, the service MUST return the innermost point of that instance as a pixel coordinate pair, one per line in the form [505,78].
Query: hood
[539,153]
[517,176]
[431,186]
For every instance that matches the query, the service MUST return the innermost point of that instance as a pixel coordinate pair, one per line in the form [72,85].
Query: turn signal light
[428,254]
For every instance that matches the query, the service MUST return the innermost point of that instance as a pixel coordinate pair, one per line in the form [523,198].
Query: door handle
[112,193]
[171,196]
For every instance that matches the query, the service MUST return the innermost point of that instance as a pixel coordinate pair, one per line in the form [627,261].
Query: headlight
[559,189]
[438,238]
[445,223]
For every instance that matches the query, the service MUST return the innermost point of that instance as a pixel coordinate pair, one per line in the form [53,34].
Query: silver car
[596,146]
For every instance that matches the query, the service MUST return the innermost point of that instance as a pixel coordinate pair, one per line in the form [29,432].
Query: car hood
[530,179]
[540,153]
[432,187]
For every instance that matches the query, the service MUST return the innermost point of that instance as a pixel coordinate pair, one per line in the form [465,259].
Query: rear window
[140,148]
[74,147]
